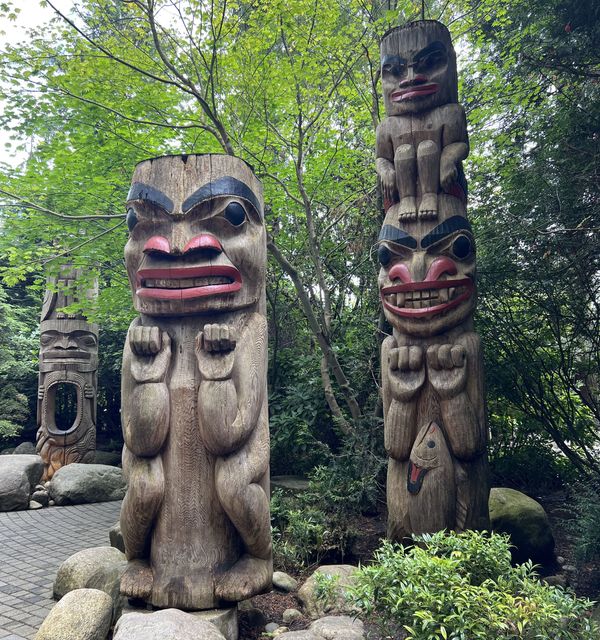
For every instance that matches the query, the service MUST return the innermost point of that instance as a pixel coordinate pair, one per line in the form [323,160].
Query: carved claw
[215,351]
[388,184]
[151,348]
[406,370]
[88,391]
[137,581]
[448,174]
[447,369]
[40,393]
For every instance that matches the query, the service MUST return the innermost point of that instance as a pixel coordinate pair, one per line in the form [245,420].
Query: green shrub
[585,527]
[462,587]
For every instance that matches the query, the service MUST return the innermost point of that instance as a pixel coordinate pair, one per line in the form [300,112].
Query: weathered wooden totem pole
[195,519]
[66,411]
[432,378]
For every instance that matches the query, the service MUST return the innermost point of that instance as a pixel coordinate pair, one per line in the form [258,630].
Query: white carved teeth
[185,283]
[443,293]
[451,292]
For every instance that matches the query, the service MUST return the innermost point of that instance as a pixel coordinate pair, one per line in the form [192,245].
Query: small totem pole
[432,377]
[195,519]
[66,414]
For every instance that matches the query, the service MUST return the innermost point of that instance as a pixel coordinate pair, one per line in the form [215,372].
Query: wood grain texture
[68,362]
[435,422]
[194,386]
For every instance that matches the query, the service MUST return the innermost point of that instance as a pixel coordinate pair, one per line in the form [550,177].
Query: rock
[560,560]
[315,607]
[41,497]
[254,617]
[25,448]
[8,451]
[299,635]
[168,624]
[18,474]
[51,503]
[82,483]
[570,568]
[558,580]
[272,626]
[279,631]
[116,537]
[290,484]
[338,628]
[290,615]
[99,566]
[83,614]
[284,582]
[525,521]
[111,458]
[35,505]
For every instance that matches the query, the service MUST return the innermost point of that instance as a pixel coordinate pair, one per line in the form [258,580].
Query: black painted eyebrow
[430,48]
[455,223]
[141,191]
[225,186]
[392,60]
[393,234]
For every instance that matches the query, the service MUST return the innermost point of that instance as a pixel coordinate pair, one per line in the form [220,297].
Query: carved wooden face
[418,68]
[197,240]
[68,344]
[427,275]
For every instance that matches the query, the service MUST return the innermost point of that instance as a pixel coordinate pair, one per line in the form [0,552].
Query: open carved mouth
[416,91]
[184,283]
[424,299]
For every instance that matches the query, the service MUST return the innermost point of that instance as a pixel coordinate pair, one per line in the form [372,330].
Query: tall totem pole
[66,414]
[432,376]
[195,519]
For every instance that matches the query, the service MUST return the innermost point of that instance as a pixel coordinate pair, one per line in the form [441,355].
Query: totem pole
[66,410]
[195,519]
[432,376]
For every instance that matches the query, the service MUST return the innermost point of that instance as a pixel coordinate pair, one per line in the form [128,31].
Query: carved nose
[440,266]
[412,80]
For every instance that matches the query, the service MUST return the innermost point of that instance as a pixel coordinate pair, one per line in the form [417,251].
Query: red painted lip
[416,91]
[419,286]
[188,293]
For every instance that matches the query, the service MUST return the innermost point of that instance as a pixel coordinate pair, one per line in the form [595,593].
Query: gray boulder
[25,448]
[82,483]
[525,521]
[18,474]
[111,458]
[99,568]
[84,614]
[41,496]
[284,582]
[168,624]
[338,628]
[337,577]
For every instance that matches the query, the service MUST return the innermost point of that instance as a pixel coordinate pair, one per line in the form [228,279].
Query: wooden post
[66,414]
[195,519]
[432,377]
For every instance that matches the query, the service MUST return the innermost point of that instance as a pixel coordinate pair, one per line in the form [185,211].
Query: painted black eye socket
[430,444]
[433,60]
[131,219]
[235,214]
[384,255]
[462,247]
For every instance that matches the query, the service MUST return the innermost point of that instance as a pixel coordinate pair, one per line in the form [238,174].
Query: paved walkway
[33,544]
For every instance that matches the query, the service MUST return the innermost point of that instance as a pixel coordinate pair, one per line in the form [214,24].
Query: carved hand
[448,172]
[151,349]
[447,369]
[40,393]
[88,391]
[388,183]
[407,372]
[215,351]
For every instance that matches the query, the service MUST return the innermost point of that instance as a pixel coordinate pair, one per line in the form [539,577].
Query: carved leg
[237,479]
[398,524]
[141,504]
[428,161]
[406,179]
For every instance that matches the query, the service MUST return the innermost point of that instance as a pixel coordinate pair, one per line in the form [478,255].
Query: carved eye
[384,255]
[89,341]
[433,60]
[235,214]
[46,339]
[462,247]
[430,444]
[131,219]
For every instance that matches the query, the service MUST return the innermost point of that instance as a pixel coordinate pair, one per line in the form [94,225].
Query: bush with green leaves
[463,587]
[585,527]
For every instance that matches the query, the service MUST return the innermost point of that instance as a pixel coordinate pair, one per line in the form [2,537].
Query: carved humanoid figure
[421,143]
[195,519]
[66,413]
[432,377]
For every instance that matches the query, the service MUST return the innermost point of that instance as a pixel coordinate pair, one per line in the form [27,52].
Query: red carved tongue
[415,472]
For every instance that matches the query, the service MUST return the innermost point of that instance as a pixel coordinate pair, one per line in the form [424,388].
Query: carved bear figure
[195,519]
